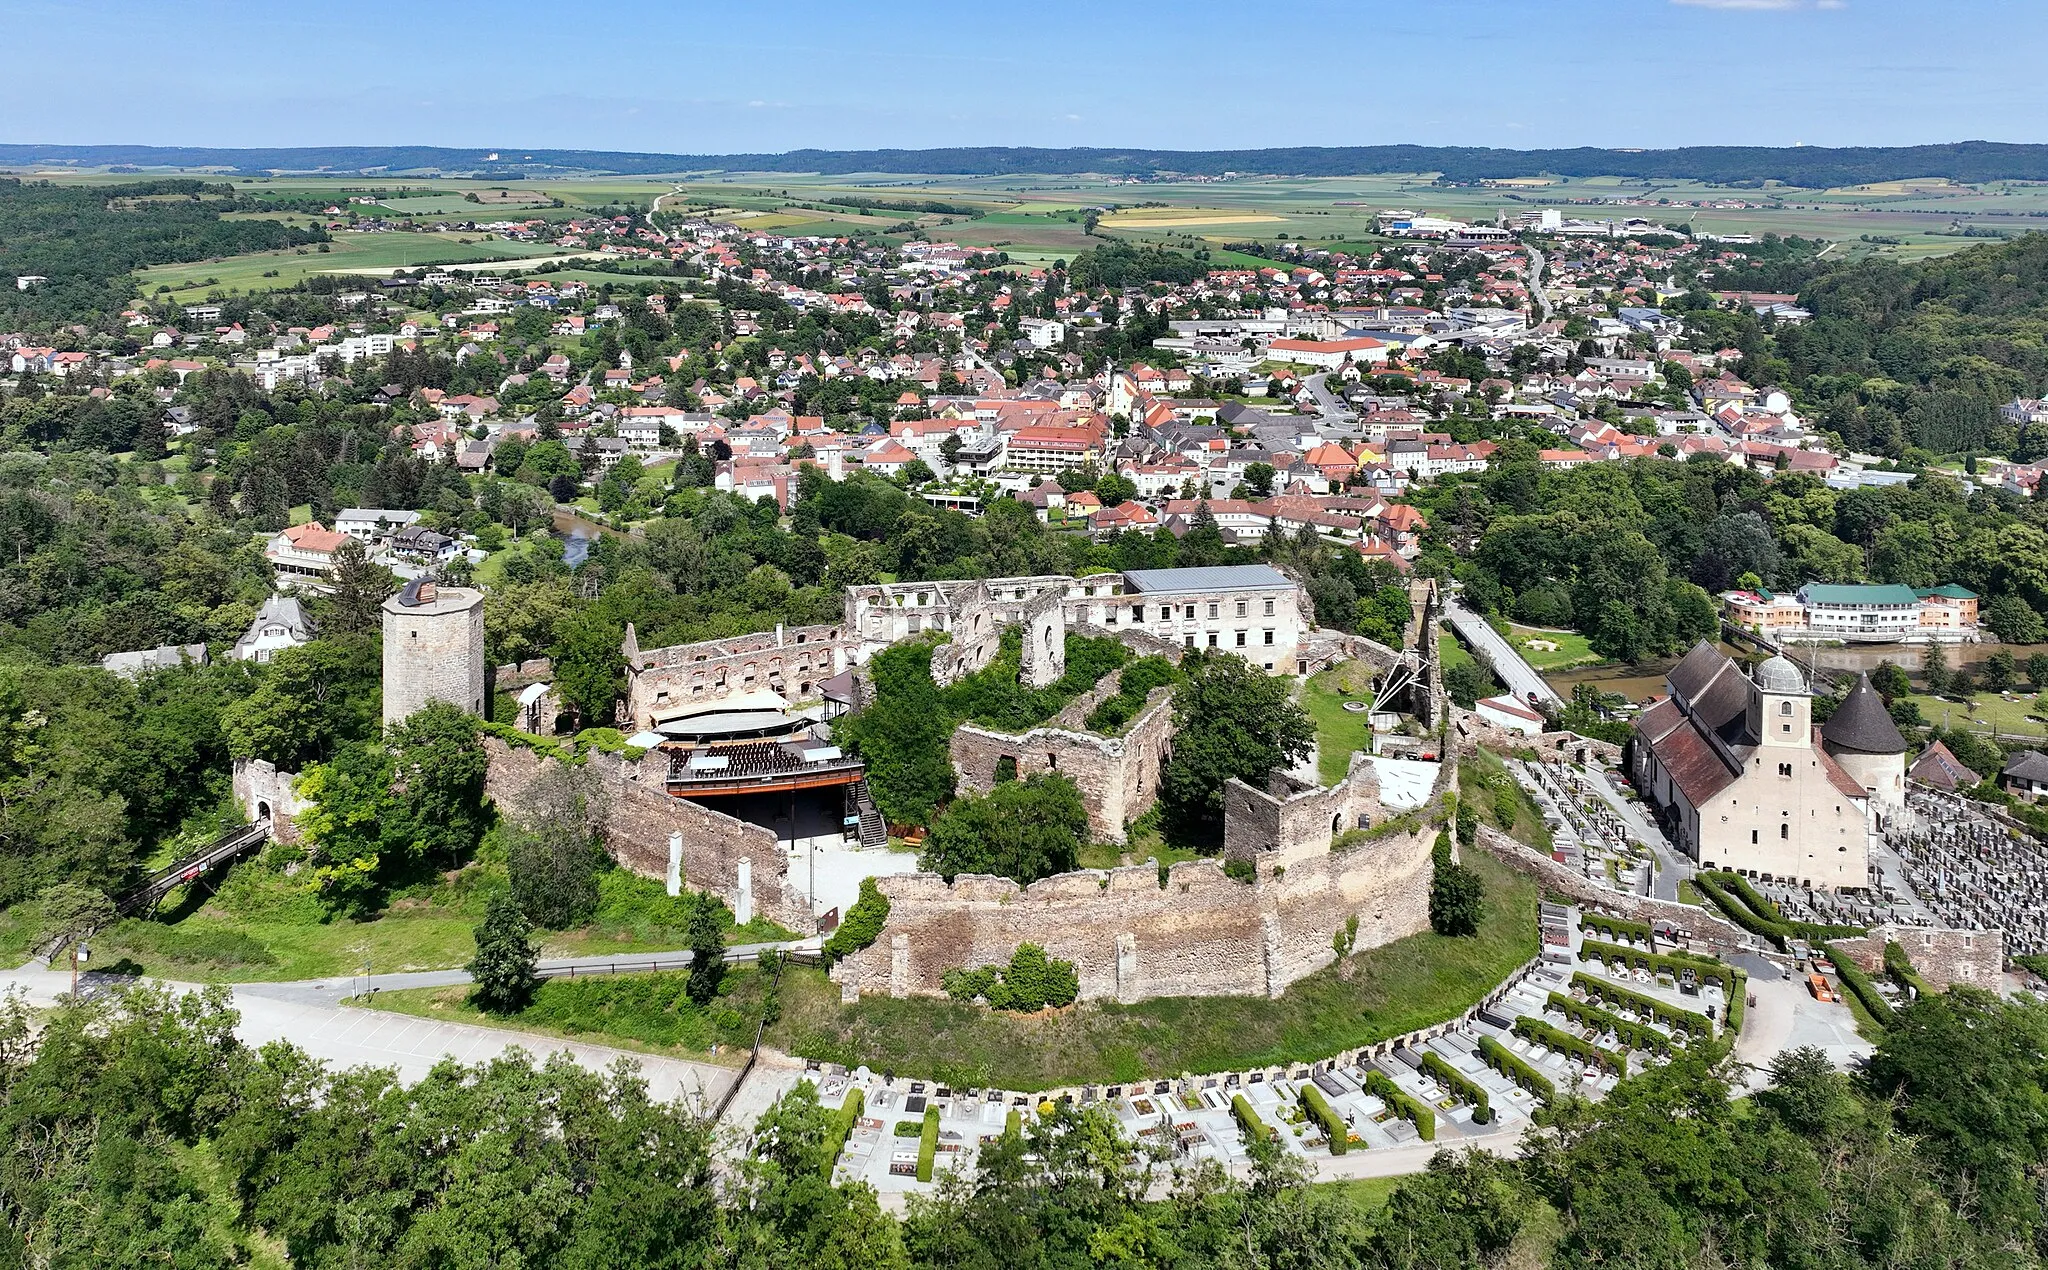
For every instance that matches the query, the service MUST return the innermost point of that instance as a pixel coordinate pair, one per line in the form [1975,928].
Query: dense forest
[84,239]
[1900,358]
[1812,167]
[146,1134]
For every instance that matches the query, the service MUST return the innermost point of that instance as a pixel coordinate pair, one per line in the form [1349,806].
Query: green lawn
[1572,648]
[1340,733]
[1451,651]
[264,927]
[348,251]
[1366,1194]
[1372,995]
[647,1012]
[1989,711]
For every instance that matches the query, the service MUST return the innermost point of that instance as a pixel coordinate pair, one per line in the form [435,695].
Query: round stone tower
[1861,736]
[433,649]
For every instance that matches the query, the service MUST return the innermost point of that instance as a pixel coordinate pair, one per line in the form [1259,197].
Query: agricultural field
[1040,220]
[275,270]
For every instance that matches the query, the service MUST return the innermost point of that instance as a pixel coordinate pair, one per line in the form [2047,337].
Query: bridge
[231,845]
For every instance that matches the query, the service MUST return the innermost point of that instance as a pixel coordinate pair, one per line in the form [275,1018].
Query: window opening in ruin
[1006,769]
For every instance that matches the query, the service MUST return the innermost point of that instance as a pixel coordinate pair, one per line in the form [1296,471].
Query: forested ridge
[85,239]
[1807,166]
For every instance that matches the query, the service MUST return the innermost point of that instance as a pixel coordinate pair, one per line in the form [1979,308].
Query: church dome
[1862,724]
[1779,675]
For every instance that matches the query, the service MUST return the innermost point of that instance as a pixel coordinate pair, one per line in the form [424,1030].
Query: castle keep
[433,649]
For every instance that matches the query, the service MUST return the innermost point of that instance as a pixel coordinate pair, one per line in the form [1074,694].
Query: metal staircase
[874,831]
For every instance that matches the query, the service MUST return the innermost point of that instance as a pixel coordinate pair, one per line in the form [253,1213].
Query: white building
[281,623]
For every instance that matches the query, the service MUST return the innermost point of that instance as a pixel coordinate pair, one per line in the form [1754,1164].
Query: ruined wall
[1974,958]
[1043,653]
[1118,776]
[1198,932]
[261,790]
[1291,819]
[1474,732]
[665,682]
[1130,938]
[640,815]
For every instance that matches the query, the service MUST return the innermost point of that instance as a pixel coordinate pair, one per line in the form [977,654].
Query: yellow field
[1168,218]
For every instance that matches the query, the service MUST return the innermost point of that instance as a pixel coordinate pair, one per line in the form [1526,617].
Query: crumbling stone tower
[433,649]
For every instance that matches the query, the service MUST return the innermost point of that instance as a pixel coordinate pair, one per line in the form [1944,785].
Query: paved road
[1332,407]
[1520,677]
[1671,864]
[1536,282]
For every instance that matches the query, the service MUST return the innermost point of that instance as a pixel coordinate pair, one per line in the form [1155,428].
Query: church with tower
[1742,779]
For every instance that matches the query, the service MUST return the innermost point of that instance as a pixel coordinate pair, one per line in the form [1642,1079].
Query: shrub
[1319,1109]
[1240,870]
[1731,979]
[1032,981]
[1900,967]
[1409,1109]
[1683,1020]
[1248,1120]
[1634,1035]
[928,1144]
[841,1129]
[1467,1090]
[1509,1064]
[861,925]
[1013,1123]
[1860,984]
[1559,1039]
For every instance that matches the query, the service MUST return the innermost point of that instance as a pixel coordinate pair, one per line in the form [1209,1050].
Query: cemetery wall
[1974,958]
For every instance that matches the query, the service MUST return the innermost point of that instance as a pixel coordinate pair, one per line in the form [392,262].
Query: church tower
[1784,707]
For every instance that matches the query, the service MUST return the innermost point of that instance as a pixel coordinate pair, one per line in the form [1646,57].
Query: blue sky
[710,78]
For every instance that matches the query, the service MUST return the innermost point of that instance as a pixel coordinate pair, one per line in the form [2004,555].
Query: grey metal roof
[1225,577]
[1861,723]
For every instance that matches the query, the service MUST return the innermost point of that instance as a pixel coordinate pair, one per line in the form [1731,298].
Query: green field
[1340,733]
[1989,712]
[1572,648]
[1372,995]
[262,926]
[647,1012]
[348,251]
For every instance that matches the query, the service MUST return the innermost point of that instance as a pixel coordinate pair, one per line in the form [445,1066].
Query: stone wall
[1133,936]
[1475,732]
[1118,776]
[263,791]
[1974,958]
[1291,819]
[666,682]
[639,817]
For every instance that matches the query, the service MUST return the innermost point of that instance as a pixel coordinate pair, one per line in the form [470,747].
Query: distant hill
[1807,166]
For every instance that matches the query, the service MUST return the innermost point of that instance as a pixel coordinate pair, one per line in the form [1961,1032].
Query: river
[576,533]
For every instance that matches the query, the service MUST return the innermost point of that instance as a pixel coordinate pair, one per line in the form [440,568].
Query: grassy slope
[1339,733]
[1372,995]
[262,927]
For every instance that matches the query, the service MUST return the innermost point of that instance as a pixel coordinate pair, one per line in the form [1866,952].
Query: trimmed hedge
[1559,1039]
[1433,1064]
[1687,1021]
[1614,927]
[1511,1065]
[1733,980]
[1734,896]
[843,1121]
[1248,1120]
[1900,967]
[928,1144]
[1636,1036]
[575,750]
[1856,981]
[1411,1110]
[1319,1108]
[1013,1123]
